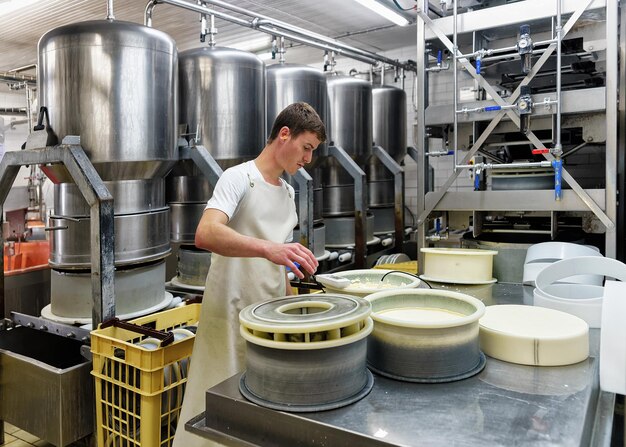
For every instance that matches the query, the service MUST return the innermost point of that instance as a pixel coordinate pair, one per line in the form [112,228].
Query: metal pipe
[212,31]
[29,113]
[536,164]
[511,49]
[110,15]
[147,15]
[14,77]
[281,50]
[312,43]
[455,50]
[297,34]
[558,149]
[12,111]
[23,68]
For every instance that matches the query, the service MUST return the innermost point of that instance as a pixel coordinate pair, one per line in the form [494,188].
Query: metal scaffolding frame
[602,202]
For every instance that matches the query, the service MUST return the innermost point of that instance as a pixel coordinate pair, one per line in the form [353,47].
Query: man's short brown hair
[299,117]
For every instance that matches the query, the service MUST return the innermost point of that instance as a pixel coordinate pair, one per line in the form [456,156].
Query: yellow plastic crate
[139,390]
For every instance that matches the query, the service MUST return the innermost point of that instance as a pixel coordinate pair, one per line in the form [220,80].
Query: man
[245,225]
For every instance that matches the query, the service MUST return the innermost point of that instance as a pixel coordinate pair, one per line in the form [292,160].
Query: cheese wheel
[531,335]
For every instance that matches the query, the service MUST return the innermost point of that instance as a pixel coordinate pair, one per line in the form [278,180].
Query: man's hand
[289,254]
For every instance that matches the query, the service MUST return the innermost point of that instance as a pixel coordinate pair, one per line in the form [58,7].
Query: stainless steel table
[504,405]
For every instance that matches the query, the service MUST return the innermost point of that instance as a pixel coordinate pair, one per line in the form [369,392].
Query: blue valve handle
[437,225]
[492,108]
[478,65]
[439,57]
[558,172]
[476,181]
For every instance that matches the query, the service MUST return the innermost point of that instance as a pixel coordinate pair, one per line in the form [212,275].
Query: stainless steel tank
[389,132]
[222,92]
[350,111]
[114,84]
[389,120]
[289,83]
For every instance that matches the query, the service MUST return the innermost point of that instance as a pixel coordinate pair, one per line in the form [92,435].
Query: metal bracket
[360,202]
[398,193]
[204,160]
[101,211]
[45,325]
[305,192]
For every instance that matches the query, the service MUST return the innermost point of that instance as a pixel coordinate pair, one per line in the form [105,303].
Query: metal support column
[612,85]
[305,217]
[360,205]
[420,132]
[398,193]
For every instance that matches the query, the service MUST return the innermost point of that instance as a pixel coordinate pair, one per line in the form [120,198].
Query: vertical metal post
[110,15]
[360,203]
[612,28]
[558,149]
[455,73]
[621,156]
[420,140]
[305,217]
[398,187]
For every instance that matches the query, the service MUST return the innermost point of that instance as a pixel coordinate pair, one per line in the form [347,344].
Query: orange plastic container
[25,256]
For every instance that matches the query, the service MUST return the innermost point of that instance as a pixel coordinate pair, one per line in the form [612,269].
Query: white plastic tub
[458,265]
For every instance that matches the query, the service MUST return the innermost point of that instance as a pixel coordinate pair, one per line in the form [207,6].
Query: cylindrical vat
[389,120]
[138,291]
[340,231]
[425,336]
[350,111]
[306,352]
[193,266]
[129,197]
[222,97]
[114,84]
[388,132]
[289,83]
[139,238]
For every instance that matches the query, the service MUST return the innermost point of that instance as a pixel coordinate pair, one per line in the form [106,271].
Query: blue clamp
[558,173]
[439,58]
[477,65]
[492,108]
[476,180]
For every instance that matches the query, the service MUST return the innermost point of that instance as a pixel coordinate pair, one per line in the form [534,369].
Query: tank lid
[107,33]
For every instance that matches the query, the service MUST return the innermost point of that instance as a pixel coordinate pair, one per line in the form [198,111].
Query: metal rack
[505,113]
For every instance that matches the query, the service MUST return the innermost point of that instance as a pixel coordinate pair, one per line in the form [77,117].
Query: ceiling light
[384,11]
[7,6]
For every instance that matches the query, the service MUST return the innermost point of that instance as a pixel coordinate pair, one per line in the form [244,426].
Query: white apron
[266,212]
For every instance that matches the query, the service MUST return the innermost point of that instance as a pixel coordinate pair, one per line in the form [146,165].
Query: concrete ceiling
[344,19]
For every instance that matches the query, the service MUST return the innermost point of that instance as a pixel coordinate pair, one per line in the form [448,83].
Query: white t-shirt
[232,186]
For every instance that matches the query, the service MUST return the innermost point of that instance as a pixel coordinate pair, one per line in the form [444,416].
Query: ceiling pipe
[23,68]
[276,27]
[110,15]
[12,76]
